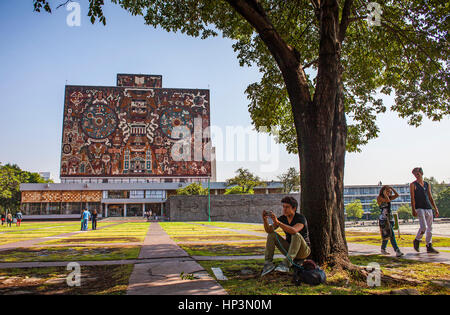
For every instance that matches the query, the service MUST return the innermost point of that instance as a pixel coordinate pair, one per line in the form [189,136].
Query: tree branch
[345,19]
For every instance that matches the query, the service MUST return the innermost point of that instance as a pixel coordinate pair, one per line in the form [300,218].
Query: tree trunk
[321,133]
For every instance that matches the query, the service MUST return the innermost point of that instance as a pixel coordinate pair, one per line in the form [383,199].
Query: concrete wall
[231,208]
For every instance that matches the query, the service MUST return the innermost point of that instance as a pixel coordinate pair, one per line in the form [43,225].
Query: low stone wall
[230,208]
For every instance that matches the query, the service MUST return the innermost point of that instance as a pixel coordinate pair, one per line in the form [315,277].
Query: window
[54,208]
[155,194]
[117,194]
[71,208]
[137,194]
[34,209]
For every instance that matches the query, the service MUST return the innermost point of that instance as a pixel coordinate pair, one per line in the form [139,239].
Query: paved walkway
[162,276]
[354,250]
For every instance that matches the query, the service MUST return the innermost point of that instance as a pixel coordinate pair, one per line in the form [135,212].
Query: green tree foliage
[354,209]
[238,190]
[290,180]
[405,212]
[443,203]
[192,189]
[436,187]
[245,180]
[374,209]
[11,176]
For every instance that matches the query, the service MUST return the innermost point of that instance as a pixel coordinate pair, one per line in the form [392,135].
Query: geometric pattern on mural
[129,131]
[62,196]
[139,80]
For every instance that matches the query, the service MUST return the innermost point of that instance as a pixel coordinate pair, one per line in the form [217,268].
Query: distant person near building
[386,222]
[296,246]
[94,220]
[422,205]
[86,216]
[9,219]
[19,218]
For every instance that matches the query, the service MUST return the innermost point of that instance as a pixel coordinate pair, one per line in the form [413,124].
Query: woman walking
[386,222]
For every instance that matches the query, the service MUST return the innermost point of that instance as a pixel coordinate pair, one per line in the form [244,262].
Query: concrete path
[162,276]
[355,250]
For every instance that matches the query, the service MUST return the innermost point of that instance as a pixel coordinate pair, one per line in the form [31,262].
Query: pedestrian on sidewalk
[94,220]
[386,222]
[422,205]
[3,218]
[9,219]
[86,217]
[19,218]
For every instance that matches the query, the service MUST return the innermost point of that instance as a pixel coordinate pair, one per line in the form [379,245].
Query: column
[162,209]
[106,210]
[124,209]
[143,209]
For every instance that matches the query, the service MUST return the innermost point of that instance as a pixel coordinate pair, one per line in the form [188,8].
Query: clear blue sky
[40,54]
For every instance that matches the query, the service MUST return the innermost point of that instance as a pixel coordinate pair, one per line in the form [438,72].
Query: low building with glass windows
[368,193]
[67,200]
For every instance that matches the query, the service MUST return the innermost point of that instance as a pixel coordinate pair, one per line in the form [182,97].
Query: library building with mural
[126,149]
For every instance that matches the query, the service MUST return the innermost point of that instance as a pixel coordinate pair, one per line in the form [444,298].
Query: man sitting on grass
[296,246]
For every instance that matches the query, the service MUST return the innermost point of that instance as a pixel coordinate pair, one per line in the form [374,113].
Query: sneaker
[282,268]
[384,252]
[399,253]
[268,267]
[431,250]
[416,244]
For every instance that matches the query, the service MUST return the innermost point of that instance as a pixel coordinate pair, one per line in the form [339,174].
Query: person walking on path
[18,218]
[94,220]
[3,218]
[9,219]
[386,222]
[422,205]
[86,216]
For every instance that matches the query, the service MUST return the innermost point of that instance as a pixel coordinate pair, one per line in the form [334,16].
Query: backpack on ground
[310,273]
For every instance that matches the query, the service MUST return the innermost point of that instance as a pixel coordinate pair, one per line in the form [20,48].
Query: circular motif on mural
[175,116]
[67,149]
[99,121]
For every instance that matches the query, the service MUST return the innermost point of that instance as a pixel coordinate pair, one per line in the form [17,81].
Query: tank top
[421,199]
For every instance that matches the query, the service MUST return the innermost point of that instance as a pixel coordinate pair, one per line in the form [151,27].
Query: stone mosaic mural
[129,131]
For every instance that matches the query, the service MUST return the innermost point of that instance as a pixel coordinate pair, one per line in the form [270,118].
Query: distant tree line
[11,176]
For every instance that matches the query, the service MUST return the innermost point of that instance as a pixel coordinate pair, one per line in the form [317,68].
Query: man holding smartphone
[296,246]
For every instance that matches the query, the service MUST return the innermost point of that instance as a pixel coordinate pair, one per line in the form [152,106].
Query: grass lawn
[115,233]
[96,280]
[236,226]
[226,249]
[187,232]
[338,283]
[38,230]
[69,254]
